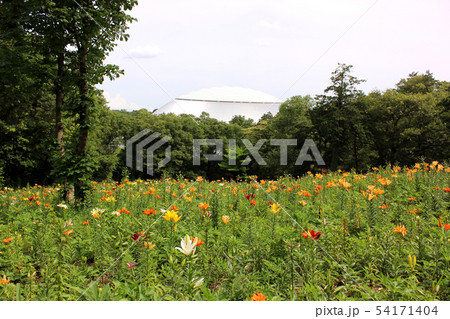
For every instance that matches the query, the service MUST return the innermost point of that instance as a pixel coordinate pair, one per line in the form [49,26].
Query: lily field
[381,235]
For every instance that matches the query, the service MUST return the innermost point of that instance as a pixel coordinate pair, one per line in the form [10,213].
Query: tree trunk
[80,191]
[59,92]
[59,125]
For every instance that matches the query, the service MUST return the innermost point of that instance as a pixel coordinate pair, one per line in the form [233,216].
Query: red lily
[315,235]
[311,233]
[137,236]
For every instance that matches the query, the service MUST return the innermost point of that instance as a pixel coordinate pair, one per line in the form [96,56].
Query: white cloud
[264,43]
[267,45]
[270,25]
[119,103]
[144,52]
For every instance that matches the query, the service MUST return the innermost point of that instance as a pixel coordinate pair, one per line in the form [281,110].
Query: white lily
[96,212]
[187,245]
[68,223]
[199,282]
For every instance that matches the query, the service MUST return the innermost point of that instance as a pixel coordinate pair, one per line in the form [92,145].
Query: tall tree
[79,36]
[335,117]
[409,127]
[96,27]
[242,121]
[24,98]
[418,83]
[291,122]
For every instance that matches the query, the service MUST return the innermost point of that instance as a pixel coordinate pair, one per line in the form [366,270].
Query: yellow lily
[275,208]
[171,214]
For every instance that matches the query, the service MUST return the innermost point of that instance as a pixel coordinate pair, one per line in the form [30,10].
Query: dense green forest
[55,126]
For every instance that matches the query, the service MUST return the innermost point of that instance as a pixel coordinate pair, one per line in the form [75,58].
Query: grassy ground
[382,235]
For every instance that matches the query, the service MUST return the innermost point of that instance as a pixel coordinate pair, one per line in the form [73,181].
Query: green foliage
[418,84]
[236,158]
[56,49]
[242,121]
[55,126]
[49,251]
[408,127]
[338,120]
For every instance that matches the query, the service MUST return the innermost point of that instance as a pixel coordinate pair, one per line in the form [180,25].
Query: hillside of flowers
[381,235]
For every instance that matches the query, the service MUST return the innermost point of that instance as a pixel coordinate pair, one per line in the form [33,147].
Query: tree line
[55,126]
[52,55]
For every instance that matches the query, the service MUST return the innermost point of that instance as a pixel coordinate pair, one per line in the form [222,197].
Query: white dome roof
[230,94]
[223,103]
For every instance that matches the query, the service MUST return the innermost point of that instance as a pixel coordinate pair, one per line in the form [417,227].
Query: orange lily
[199,241]
[123,210]
[400,229]
[4,280]
[346,184]
[226,219]
[148,245]
[203,206]
[68,232]
[148,212]
[258,297]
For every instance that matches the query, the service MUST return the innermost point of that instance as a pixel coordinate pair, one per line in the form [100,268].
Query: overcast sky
[281,47]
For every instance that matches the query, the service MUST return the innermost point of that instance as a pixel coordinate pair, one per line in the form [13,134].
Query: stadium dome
[223,103]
